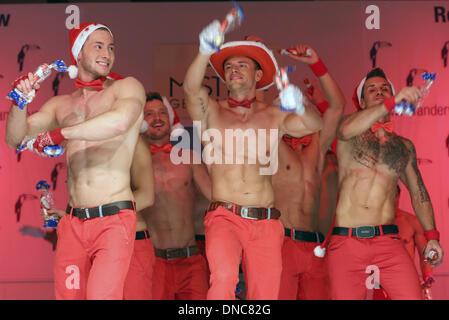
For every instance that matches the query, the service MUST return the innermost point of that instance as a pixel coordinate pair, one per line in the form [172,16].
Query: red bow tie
[387,126]
[95,84]
[245,103]
[293,142]
[166,148]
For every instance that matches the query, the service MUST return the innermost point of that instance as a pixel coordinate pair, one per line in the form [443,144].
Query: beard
[158,135]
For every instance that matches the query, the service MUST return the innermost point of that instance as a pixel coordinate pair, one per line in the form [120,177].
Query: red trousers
[93,256]
[180,279]
[201,242]
[259,241]
[304,276]
[353,263]
[138,283]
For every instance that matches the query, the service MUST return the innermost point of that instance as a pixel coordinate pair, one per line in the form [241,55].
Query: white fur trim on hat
[79,43]
[82,37]
[144,126]
[173,118]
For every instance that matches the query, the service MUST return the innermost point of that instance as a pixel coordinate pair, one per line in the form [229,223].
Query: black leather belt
[254,213]
[171,254]
[200,237]
[306,236]
[140,235]
[100,211]
[366,231]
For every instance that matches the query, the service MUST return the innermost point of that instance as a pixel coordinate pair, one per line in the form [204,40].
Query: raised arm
[420,200]
[196,94]
[197,98]
[333,95]
[358,122]
[142,176]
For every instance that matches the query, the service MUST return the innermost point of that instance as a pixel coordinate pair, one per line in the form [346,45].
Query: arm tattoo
[203,105]
[422,189]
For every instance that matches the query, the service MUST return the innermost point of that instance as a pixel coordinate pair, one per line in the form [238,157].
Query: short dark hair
[377,72]
[154,96]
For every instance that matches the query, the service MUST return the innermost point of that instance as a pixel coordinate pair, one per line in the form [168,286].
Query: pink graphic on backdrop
[23,52]
[375,50]
[19,204]
[444,53]
[412,74]
[55,173]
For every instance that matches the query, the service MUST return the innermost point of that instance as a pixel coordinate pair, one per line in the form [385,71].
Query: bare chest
[373,152]
[297,165]
[242,133]
[168,176]
[78,109]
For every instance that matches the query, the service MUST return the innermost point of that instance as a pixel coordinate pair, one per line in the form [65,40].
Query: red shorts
[352,261]
[93,256]
[304,276]
[138,283]
[230,236]
[180,279]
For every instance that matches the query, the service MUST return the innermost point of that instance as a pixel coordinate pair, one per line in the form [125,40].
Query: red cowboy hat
[251,49]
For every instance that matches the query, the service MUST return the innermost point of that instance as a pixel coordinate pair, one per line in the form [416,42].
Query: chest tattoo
[369,151]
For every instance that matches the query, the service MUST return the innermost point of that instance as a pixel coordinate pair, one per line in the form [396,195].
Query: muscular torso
[98,172]
[242,184]
[369,168]
[296,185]
[170,219]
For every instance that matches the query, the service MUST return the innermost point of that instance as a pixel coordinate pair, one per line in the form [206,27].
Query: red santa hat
[77,38]
[176,127]
[357,96]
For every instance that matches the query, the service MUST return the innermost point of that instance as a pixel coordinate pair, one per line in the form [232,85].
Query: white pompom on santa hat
[77,38]
[176,127]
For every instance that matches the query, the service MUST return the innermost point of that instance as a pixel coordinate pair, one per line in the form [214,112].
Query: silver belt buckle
[168,254]
[86,211]
[365,232]
[244,213]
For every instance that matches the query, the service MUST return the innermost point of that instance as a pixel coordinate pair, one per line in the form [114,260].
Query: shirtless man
[99,125]
[296,190]
[180,271]
[412,235]
[138,283]
[372,158]
[241,218]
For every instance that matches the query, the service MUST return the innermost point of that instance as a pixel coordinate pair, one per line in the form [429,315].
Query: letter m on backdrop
[4,20]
